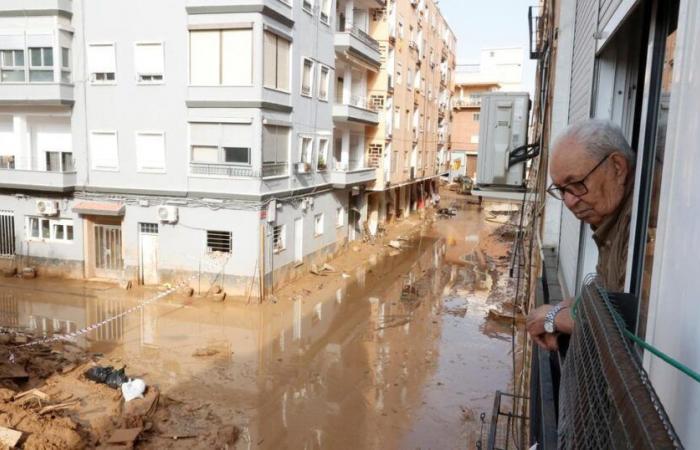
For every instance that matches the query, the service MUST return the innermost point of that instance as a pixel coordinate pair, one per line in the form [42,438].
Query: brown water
[336,362]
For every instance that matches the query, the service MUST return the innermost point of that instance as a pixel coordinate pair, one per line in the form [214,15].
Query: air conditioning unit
[167,213]
[504,126]
[47,207]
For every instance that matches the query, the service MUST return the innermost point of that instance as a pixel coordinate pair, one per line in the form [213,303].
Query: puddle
[390,357]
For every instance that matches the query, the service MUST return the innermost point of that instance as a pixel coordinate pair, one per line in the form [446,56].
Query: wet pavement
[393,352]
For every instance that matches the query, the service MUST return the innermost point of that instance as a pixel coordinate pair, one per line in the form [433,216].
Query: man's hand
[535,320]
[547,341]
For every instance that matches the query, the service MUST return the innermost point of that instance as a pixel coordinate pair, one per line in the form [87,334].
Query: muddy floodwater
[391,350]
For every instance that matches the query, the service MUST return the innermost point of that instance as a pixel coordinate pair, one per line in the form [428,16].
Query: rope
[645,345]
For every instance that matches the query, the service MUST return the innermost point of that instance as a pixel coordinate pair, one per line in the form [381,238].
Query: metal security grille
[150,228]
[219,241]
[606,399]
[278,240]
[108,247]
[7,233]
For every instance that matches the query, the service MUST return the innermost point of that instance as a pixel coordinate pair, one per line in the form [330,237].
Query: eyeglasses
[575,188]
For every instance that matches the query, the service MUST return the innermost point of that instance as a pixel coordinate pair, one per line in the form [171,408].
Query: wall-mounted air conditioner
[503,127]
[167,213]
[47,207]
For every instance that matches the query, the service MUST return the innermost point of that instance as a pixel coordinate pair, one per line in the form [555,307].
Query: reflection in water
[357,364]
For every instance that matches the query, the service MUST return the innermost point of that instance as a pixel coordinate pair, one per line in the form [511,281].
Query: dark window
[237,155]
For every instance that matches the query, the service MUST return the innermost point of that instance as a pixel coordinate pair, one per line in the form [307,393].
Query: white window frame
[139,165]
[220,75]
[325,5]
[90,151]
[279,238]
[318,225]
[321,82]
[138,75]
[53,222]
[310,156]
[93,79]
[308,9]
[311,77]
[289,63]
[322,152]
[43,67]
[339,217]
[14,68]
[66,66]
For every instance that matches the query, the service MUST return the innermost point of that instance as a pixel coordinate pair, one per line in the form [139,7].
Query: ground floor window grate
[151,228]
[219,241]
[278,238]
[7,233]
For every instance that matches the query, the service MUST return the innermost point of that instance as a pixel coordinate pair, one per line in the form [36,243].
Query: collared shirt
[612,237]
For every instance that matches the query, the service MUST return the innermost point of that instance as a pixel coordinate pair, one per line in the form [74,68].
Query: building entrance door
[148,253]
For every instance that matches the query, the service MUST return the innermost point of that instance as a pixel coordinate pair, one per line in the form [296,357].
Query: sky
[481,24]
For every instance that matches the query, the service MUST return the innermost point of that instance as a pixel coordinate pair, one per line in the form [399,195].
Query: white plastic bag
[133,389]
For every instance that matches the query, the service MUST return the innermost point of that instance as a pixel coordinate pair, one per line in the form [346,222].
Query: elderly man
[592,170]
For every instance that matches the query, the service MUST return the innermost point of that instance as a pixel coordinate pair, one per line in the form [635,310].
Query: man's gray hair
[599,137]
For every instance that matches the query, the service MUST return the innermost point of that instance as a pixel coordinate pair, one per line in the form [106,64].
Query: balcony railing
[535,29]
[360,34]
[226,170]
[469,102]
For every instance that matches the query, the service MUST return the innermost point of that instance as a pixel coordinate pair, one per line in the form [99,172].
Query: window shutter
[282,64]
[237,57]
[150,151]
[205,134]
[236,135]
[101,58]
[103,150]
[148,59]
[204,57]
[269,60]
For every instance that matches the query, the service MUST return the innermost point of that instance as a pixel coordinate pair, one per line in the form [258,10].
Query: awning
[99,208]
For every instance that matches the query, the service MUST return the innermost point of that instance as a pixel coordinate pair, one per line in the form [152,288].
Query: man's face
[606,184]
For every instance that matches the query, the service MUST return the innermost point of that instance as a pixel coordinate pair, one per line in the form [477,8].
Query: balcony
[358,43]
[38,180]
[358,110]
[36,8]
[341,179]
[231,171]
[43,94]
[469,102]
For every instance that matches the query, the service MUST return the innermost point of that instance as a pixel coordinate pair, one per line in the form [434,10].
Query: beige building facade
[411,92]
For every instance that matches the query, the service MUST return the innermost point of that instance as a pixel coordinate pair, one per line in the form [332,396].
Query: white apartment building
[154,140]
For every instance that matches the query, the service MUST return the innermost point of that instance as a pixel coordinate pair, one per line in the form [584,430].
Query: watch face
[549,327]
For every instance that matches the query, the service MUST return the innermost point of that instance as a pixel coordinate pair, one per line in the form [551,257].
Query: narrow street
[391,349]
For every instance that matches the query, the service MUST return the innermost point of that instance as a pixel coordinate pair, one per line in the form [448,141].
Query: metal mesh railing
[605,398]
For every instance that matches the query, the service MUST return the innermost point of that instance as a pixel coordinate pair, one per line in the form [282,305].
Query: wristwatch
[549,318]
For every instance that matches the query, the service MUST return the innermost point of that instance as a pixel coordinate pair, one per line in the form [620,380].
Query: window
[12,66]
[322,154]
[306,150]
[398,73]
[149,62]
[307,77]
[221,57]
[101,63]
[275,149]
[40,228]
[221,143]
[318,224]
[409,77]
[400,29]
[59,162]
[308,6]
[150,151]
[237,155]
[279,238]
[65,65]
[397,118]
[276,62]
[104,151]
[325,10]
[41,64]
[476,117]
[218,241]
[339,217]
[323,81]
